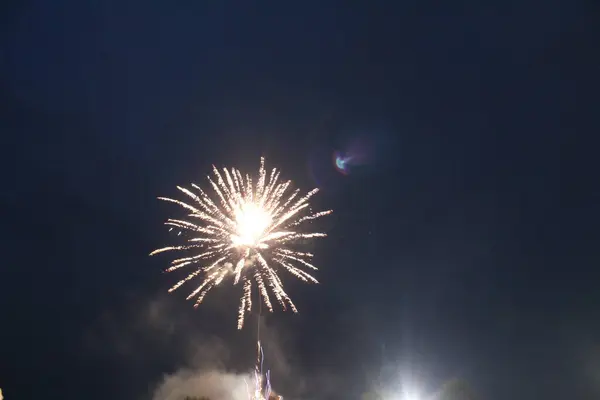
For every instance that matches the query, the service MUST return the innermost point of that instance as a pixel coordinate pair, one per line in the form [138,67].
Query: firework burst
[248,231]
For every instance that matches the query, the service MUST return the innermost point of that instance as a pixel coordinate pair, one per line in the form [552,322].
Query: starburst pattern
[248,231]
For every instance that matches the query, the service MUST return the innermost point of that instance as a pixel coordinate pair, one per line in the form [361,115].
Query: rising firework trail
[248,230]
[262,382]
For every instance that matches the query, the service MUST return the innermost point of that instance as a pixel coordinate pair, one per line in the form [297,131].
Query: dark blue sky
[467,246]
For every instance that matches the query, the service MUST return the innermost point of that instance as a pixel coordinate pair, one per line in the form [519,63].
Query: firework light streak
[262,382]
[248,231]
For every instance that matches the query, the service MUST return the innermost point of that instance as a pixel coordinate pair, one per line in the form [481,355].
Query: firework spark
[248,232]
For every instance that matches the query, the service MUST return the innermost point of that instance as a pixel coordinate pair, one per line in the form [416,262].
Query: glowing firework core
[251,223]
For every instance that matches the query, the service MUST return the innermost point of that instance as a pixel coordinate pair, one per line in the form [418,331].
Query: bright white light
[251,223]
[405,394]
[410,397]
[405,397]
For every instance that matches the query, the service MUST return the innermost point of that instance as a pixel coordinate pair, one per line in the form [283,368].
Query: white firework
[248,232]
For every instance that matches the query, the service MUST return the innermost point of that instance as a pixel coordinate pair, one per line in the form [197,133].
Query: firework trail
[248,231]
[262,382]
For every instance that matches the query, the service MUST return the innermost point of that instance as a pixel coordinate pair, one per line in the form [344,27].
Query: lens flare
[247,230]
[341,162]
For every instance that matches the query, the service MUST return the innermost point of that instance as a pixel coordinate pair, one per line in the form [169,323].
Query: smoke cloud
[183,352]
[210,378]
[207,360]
[216,385]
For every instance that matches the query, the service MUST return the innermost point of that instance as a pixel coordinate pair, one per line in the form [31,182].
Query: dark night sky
[467,246]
